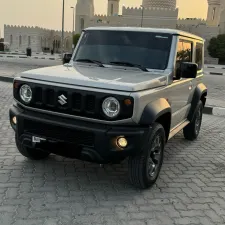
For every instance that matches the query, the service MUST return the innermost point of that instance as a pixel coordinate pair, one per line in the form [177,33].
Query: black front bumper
[75,138]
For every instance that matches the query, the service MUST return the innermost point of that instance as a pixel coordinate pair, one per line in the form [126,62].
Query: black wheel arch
[200,94]
[157,111]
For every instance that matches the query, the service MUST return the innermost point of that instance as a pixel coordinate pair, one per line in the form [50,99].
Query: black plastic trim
[154,110]
[104,148]
[200,90]
[95,113]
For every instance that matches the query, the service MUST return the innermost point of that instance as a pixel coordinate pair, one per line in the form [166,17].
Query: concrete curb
[213,110]
[17,53]
[214,67]
[26,57]
[220,74]
[214,73]
[6,79]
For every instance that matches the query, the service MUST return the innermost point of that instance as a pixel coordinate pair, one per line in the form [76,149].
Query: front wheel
[144,168]
[191,131]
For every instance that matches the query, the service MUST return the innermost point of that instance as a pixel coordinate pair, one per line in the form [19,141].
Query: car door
[181,88]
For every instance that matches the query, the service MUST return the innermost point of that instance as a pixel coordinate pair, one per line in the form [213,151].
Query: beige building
[38,39]
[152,13]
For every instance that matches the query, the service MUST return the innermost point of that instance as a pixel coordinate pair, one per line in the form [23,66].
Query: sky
[47,13]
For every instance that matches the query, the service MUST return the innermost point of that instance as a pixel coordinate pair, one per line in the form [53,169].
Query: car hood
[113,77]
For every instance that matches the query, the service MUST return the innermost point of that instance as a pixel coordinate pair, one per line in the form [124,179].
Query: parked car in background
[4,46]
[66,57]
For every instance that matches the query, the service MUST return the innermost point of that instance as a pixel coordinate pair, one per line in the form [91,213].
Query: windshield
[150,50]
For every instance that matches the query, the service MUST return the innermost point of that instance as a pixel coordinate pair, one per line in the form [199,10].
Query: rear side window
[184,53]
[199,55]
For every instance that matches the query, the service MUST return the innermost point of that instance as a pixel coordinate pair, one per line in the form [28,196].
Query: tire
[30,153]
[191,131]
[145,167]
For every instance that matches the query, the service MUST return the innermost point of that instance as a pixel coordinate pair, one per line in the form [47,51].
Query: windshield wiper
[90,61]
[130,65]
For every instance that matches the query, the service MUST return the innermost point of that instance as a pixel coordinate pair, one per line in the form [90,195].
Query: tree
[76,39]
[216,47]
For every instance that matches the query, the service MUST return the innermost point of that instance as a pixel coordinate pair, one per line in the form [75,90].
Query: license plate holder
[36,139]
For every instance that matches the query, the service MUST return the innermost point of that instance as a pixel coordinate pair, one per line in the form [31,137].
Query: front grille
[71,101]
[68,102]
[54,132]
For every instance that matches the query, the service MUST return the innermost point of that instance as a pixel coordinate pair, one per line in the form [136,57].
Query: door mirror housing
[188,70]
[67,57]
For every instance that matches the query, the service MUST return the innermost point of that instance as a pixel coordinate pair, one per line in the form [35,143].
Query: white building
[152,13]
[38,39]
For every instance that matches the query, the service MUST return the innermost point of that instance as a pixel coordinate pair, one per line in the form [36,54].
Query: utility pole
[62,44]
[73,26]
[142,15]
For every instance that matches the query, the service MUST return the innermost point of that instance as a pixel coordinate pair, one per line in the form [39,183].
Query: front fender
[154,110]
[200,91]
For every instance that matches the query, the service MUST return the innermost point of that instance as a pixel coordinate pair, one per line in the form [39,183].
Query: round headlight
[111,107]
[26,93]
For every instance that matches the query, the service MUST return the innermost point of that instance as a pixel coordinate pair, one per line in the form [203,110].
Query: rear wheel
[144,168]
[30,153]
[191,131]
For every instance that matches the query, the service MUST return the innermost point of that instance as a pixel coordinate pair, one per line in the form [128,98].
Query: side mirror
[188,70]
[67,57]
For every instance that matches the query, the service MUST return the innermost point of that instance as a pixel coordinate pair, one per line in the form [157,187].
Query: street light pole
[73,25]
[142,15]
[62,44]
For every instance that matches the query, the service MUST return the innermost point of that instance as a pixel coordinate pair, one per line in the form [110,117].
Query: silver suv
[124,93]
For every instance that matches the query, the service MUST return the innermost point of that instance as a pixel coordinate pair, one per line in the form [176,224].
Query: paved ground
[11,67]
[59,191]
[216,90]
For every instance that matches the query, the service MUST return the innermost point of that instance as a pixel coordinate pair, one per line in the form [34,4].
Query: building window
[199,55]
[213,13]
[20,40]
[111,9]
[11,39]
[28,40]
[82,24]
[67,43]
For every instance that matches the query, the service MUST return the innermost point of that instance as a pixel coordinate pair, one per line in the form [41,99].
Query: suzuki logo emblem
[62,99]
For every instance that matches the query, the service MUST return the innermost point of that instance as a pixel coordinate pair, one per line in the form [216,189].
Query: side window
[199,55]
[184,54]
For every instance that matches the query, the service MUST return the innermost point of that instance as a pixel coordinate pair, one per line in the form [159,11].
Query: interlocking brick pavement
[216,91]
[60,191]
[13,67]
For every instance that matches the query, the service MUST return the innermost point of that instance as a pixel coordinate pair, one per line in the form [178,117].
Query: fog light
[14,120]
[122,142]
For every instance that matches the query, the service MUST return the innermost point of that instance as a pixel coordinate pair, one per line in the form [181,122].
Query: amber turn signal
[16,84]
[127,102]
